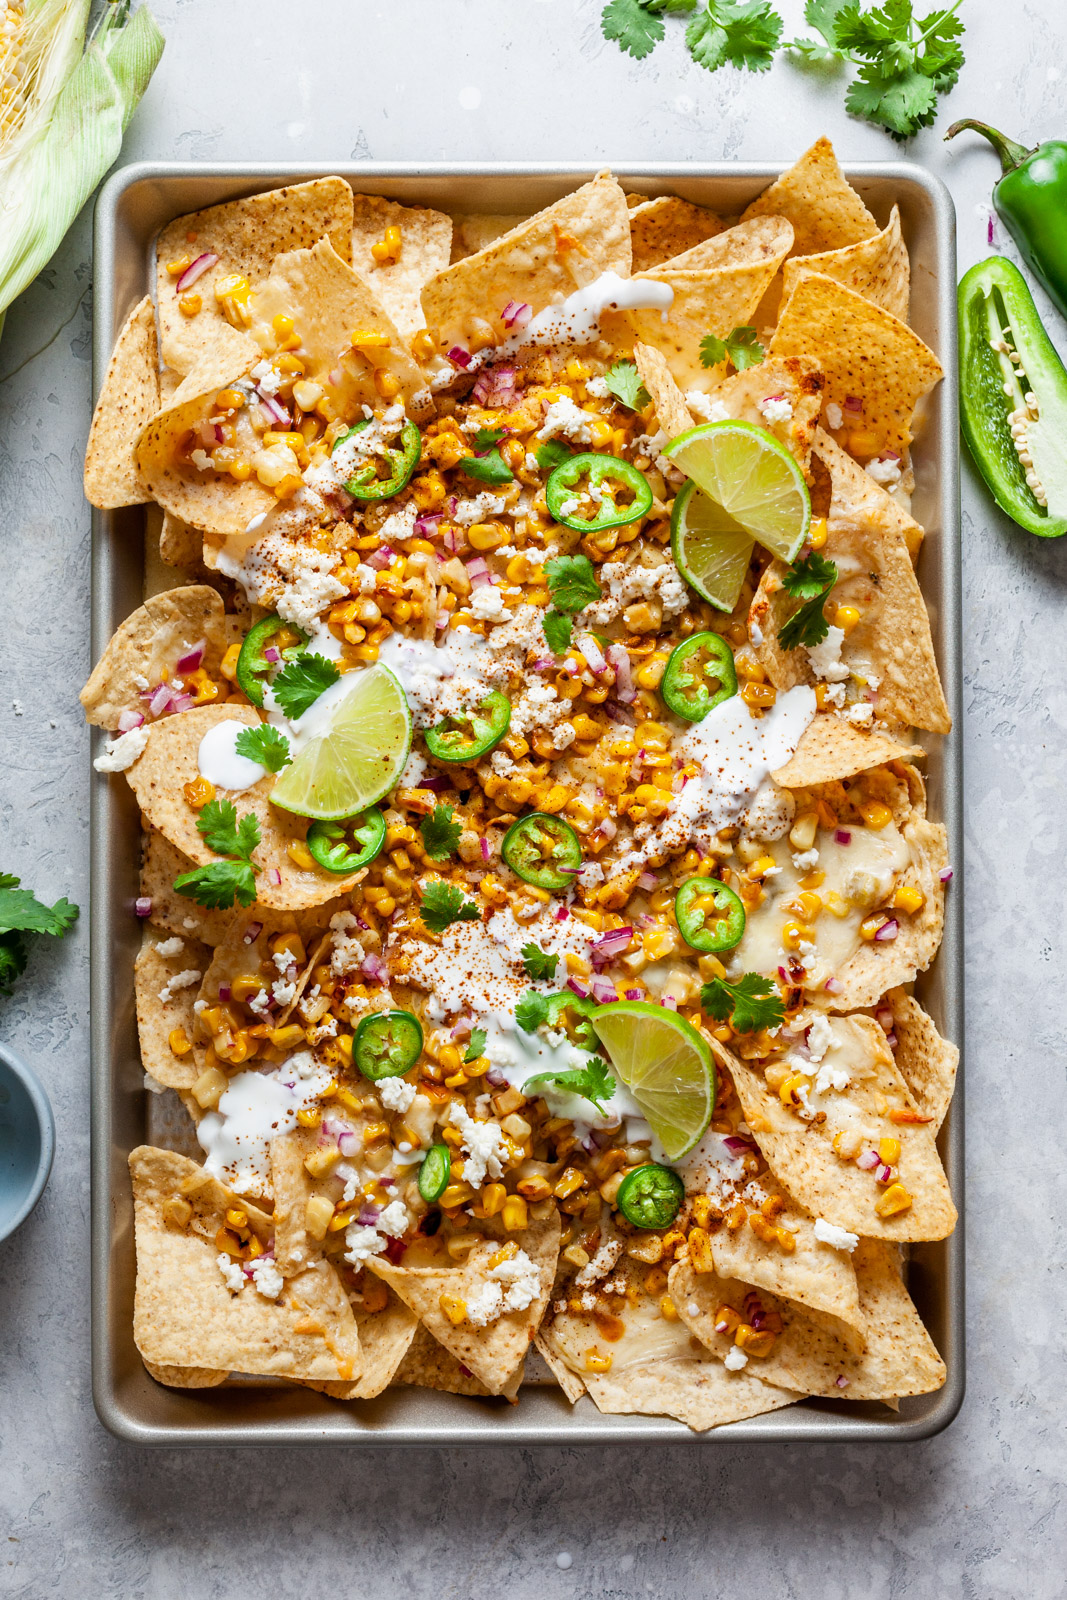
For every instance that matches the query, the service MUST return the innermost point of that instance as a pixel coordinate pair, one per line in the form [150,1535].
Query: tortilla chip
[809,1354]
[425,246]
[572,1385]
[796,379]
[170,910]
[428,1365]
[813,1274]
[814,195]
[541,261]
[289,1179]
[671,409]
[491,1353]
[877,268]
[831,750]
[384,1340]
[184,1315]
[169,762]
[128,398]
[151,640]
[185,1377]
[746,244]
[878,966]
[801,1156]
[476,232]
[665,227]
[246,235]
[180,544]
[927,1062]
[158,1017]
[697,1390]
[865,353]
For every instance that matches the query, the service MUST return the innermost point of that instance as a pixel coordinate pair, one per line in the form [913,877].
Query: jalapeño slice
[387,1044]
[346,846]
[543,850]
[709,915]
[435,1172]
[272,633]
[562,488]
[470,734]
[401,461]
[651,1197]
[699,676]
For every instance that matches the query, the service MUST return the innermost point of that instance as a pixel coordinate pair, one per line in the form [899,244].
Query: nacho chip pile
[415,1154]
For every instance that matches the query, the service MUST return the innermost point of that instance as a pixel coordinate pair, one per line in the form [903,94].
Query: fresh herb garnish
[538,966]
[442,904]
[735,33]
[557,630]
[265,744]
[624,381]
[572,582]
[809,581]
[593,1082]
[486,437]
[552,455]
[489,467]
[476,1048]
[750,1004]
[221,883]
[223,833]
[547,1010]
[740,346]
[21,913]
[301,681]
[440,834]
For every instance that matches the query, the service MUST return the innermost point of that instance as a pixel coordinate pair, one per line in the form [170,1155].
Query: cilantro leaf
[488,468]
[531,1011]
[557,630]
[739,33]
[572,582]
[809,581]
[902,103]
[13,958]
[21,912]
[822,16]
[265,744]
[476,1048]
[748,1006]
[537,965]
[624,381]
[221,831]
[593,1082]
[443,903]
[552,455]
[632,26]
[548,1010]
[740,346]
[219,884]
[485,437]
[301,681]
[440,834]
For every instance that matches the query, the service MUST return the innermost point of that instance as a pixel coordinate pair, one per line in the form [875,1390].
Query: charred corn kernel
[700,1257]
[209,1088]
[309,1117]
[672,1240]
[516,1127]
[190,304]
[817,533]
[759,694]
[178,1212]
[571,1181]
[318,1214]
[575,1256]
[319,1162]
[374,1131]
[179,1041]
[754,1342]
[285,1038]
[727,1320]
[805,905]
[535,1188]
[702,1211]
[515,1214]
[794,934]
[507,1252]
[450,1058]
[493,1198]
[198,793]
[368,339]
[457,1194]
[236,1219]
[875,814]
[667,1309]
[789,1092]
[871,925]
[847,1144]
[772,1205]
[387,385]
[895,1200]
[454,1308]
[889,1151]
[423,344]
[846,618]
[228,1244]
[596,1362]
[908,898]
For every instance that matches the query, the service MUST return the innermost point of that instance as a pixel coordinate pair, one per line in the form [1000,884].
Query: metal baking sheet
[132,207]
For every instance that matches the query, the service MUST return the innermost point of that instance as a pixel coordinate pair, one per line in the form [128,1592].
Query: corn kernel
[178,1212]
[700,1257]
[301,856]
[870,926]
[179,1042]
[727,1320]
[454,1309]
[759,695]
[595,1362]
[817,532]
[753,1342]
[667,1309]
[209,1088]
[198,792]
[895,1200]
[515,1213]
[493,1197]
[456,1194]
[846,618]
[285,1038]
[908,898]
[190,304]
[876,815]
[889,1151]
[309,1117]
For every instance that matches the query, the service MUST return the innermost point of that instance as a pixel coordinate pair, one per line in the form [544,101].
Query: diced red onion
[578,988]
[192,658]
[648,880]
[610,945]
[275,408]
[734,1141]
[274,876]
[459,357]
[183,702]
[142,906]
[945,874]
[224,991]
[618,713]
[670,1002]
[426,525]
[570,667]
[380,559]
[603,990]
[608,828]
[589,1145]
[868,1160]
[842,836]
[562,913]
[387,1183]
[368,1216]
[454,540]
[593,654]
[841,1381]
[853,403]
[891,1040]
[348,1143]
[484,846]
[462,1029]
[374,968]
[884,1018]
[619,659]
[832,985]
[194,270]
[889,455]
[437,784]
[272,654]
[478,572]
[128,720]
[783,974]
[884,1173]
[888,930]
[635,994]
[252,932]
[990,239]
[516,314]
[160,701]
[496,387]
[497,1078]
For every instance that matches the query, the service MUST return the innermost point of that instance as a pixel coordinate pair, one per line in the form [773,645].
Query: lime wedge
[752,477]
[666,1066]
[357,757]
[711,550]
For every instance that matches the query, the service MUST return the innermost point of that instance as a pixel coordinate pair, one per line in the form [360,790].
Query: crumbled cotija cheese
[123,751]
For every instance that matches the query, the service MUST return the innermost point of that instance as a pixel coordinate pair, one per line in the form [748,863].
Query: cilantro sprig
[593,1082]
[549,1011]
[624,381]
[487,465]
[573,585]
[301,681]
[476,1048]
[552,454]
[440,833]
[220,884]
[749,1005]
[809,581]
[22,913]
[538,965]
[739,33]
[265,744]
[558,629]
[442,904]
[740,346]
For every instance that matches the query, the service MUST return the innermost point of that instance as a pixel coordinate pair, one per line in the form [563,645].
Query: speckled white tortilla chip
[831,749]
[428,1365]
[425,245]
[665,227]
[671,409]
[697,1390]
[148,644]
[163,1007]
[160,865]
[877,268]
[814,195]
[128,398]
[795,379]
[185,1377]
[927,1061]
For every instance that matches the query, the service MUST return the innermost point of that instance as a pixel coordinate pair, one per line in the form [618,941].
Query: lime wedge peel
[666,1066]
[357,758]
[746,472]
[710,549]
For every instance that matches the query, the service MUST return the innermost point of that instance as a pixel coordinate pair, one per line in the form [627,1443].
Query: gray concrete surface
[976,1513]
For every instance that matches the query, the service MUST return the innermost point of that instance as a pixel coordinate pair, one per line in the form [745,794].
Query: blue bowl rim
[46,1127]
